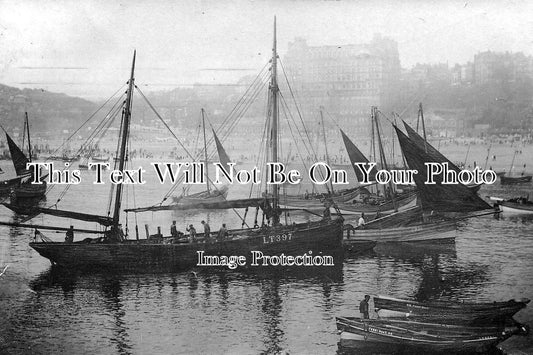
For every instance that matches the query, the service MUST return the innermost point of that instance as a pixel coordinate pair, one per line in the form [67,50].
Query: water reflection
[271,316]
[267,310]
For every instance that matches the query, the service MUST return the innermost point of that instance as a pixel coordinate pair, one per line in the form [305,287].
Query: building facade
[346,80]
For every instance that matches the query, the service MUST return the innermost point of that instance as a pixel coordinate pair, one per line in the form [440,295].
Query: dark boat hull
[402,202]
[507,180]
[429,337]
[316,237]
[460,313]
[28,190]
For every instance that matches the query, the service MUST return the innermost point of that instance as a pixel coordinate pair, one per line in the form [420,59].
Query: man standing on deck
[363,307]
[223,232]
[173,229]
[69,236]
[361,221]
[207,230]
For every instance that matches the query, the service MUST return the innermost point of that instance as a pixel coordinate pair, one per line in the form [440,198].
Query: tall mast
[274,128]
[325,144]
[205,151]
[27,129]
[382,154]
[126,115]
[421,117]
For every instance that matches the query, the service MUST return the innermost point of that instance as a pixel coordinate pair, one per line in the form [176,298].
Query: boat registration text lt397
[258,258]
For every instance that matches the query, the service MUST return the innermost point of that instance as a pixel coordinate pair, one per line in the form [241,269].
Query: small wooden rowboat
[517,205]
[429,337]
[450,312]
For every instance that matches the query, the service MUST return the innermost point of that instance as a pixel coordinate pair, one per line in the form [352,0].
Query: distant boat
[418,336]
[26,190]
[451,312]
[212,193]
[511,180]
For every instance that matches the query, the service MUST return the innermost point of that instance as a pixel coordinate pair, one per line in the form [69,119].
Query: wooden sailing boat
[414,225]
[114,252]
[437,197]
[25,191]
[212,193]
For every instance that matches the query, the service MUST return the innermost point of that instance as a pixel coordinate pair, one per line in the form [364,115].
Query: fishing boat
[452,312]
[429,222]
[433,153]
[512,180]
[437,197]
[428,337]
[314,240]
[435,232]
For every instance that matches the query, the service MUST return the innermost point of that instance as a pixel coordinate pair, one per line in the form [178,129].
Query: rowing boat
[452,312]
[429,337]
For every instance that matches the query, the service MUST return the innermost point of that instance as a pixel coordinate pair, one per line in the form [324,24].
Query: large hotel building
[344,79]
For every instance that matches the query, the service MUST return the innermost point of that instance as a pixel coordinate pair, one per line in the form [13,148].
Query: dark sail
[437,197]
[356,156]
[19,159]
[222,155]
[435,155]
[34,211]
[227,204]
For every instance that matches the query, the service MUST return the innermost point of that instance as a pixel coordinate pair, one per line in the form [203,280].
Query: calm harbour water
[226,311]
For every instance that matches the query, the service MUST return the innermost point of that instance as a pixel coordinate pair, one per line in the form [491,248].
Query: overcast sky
[84,48]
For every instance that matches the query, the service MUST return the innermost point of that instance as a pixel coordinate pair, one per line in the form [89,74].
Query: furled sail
[19,159]
[227,204]
[34,211]
[435,155]
[437,197]
[356,156]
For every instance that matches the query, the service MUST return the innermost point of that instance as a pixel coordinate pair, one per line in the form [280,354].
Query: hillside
[48,111]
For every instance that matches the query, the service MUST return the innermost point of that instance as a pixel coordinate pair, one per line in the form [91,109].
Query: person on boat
[363,308]
[173,229]
[121,235]
[69,236]
[361,222]
[326,215]
[192,232]
[207,230]
[306,196]
[223,232]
